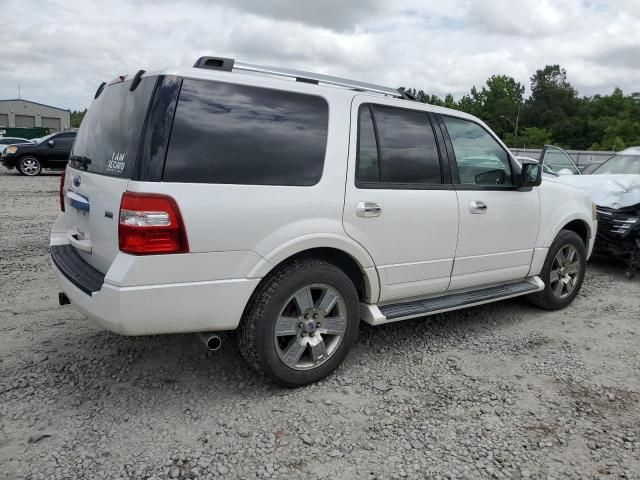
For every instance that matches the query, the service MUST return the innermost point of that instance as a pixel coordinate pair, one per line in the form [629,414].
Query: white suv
[290,206]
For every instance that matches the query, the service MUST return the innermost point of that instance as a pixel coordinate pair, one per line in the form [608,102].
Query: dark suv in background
[51,151]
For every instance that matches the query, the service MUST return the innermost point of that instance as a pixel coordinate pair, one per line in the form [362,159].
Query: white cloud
[60,50]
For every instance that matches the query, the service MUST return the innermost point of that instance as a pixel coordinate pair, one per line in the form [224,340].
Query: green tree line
[553,113]
[76,117]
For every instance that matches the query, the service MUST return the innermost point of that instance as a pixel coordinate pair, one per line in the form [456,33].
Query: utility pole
[514,124]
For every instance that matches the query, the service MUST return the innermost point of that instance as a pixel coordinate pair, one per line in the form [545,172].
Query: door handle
[478,207]
[368,209]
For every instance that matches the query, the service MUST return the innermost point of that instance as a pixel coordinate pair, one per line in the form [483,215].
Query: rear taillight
[150,224]
[62,190]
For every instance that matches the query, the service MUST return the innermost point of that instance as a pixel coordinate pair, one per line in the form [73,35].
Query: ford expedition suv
[289,206]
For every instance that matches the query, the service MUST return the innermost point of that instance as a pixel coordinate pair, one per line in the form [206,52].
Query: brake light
[150,224]
[64,172]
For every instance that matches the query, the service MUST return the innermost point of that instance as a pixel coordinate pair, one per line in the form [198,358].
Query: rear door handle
[478,207]
[368,209]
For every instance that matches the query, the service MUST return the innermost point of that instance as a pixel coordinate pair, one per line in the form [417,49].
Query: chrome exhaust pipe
[212,341]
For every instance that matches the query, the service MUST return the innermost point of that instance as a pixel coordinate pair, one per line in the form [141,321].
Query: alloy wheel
[565,271]
[310,326]
[30,166]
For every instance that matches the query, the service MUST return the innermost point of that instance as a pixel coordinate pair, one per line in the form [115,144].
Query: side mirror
[51,143]
[531,173]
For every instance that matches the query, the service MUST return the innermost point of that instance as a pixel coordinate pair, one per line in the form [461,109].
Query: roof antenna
[18,91]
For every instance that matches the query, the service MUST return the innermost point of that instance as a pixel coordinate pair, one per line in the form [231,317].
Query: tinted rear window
[225,133]
[406,150]
[108,139]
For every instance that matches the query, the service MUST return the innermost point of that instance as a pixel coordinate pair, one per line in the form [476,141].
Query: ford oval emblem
[76,181]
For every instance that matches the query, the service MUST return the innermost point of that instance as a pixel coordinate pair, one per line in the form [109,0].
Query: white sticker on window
[117,163]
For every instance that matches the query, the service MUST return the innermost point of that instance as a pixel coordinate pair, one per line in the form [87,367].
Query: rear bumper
[148,309]
[157,309]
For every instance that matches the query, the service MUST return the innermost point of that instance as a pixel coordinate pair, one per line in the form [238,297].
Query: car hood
[611,191]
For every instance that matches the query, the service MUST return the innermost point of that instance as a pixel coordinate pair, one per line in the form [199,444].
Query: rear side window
[406,152]
[108,139]
[368,162]
[236,134]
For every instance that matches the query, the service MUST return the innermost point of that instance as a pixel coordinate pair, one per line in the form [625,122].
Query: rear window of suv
[108,139]
[237,134]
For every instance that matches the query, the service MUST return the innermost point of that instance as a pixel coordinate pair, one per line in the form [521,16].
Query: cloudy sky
[60,51]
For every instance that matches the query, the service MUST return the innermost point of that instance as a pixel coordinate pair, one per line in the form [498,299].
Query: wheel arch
[353,259]
[576,223]
[581,228]
[29,154]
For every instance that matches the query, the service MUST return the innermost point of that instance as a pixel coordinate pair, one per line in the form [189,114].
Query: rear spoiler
[137,78]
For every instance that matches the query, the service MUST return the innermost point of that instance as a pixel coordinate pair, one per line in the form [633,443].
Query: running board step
[454,301]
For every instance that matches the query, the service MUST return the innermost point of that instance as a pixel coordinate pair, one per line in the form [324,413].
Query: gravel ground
[499,391]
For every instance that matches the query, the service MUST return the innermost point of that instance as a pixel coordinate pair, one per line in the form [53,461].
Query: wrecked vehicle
[555,162]
[615,189]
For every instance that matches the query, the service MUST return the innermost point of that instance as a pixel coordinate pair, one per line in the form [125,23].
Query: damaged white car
[615,188]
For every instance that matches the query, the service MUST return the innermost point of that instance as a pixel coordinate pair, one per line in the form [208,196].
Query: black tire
[547,299]
[29,166]
[257,328]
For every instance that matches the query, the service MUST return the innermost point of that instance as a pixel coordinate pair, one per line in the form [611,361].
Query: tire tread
[542,299]
[247,332]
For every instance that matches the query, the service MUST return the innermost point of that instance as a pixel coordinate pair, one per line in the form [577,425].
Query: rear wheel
[29,166]
[301,323]
[562,273]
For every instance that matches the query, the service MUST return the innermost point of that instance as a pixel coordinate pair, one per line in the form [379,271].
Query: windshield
[43,139]
[620,164]
[108,139]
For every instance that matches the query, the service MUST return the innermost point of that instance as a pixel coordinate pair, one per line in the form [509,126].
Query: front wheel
[29,166]
[301,323]
[562,273]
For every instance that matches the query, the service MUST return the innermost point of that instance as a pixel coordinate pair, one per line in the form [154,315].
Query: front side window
[64,140]
[480,158]
[237,134]
[396,146]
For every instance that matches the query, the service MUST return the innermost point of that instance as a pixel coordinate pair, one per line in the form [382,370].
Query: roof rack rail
[228,64]
[406,95]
